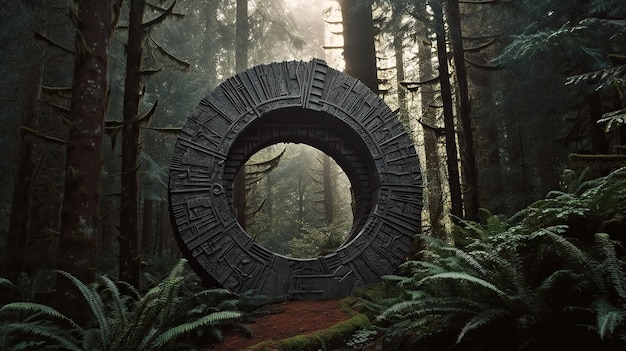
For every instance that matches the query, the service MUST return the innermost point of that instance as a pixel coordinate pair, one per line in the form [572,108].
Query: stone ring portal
[300,102]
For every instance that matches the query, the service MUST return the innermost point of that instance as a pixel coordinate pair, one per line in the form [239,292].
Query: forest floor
[286,319]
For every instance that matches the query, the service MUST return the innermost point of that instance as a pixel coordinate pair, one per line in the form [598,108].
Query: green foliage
[540,278]
[287,204]
[362,337]
[160,319]
[613,120]
[318,241]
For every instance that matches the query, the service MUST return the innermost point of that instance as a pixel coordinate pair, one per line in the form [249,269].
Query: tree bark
[129,259]
[456,204]
[162,220]
[17,236]
[241,63]
[398,47]
[147,231]
[329,208]
[241,36]
[599,144]
[466,139]
[359,52]
[432,173]
[79,216]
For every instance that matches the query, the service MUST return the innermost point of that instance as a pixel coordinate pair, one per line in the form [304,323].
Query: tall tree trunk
[329,208]
[241,63]
[147,232]
[456,203]
[398,48]
[17,236]
[599,144]
[163,222]
[129,259]
[432,173]
[466,138]
[79,216]
[301,189]
[359,51]
[242,31]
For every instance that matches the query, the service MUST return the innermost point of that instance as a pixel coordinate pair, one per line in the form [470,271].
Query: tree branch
[40,36]
[54,140]
[161,17]
[162,50]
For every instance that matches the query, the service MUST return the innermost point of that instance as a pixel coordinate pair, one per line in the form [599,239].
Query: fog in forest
[122,124]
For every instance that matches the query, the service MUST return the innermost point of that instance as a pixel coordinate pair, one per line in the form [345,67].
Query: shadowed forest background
[516,108]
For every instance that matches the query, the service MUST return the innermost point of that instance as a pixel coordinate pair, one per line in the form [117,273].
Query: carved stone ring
[301,102]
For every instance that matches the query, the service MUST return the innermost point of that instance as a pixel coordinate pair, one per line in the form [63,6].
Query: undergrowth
[166,317]
[551,276]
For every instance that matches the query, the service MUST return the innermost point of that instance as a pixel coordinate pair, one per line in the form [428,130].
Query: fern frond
[554,234]
[608,317]
[52,333]
[8,284]
[557,276]
[467,258]
[120,308]
[174,332]
[612,264]
[423,267]
[95,305]
[392,278]
[430,306]
[229,304]
[128,287]
[480,320]
[32,307]
[601,77]
[506,268]
[464,277]
[171,286]
[480,231]
[159,309]
[396,334]
[144,318]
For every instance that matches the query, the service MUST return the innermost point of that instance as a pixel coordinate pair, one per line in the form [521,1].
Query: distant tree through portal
[298,201]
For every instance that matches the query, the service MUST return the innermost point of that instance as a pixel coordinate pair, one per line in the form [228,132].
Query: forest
[516,109]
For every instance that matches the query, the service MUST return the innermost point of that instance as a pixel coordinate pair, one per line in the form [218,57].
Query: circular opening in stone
[298,201]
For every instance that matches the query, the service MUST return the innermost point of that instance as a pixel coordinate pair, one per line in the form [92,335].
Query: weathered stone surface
[305,102]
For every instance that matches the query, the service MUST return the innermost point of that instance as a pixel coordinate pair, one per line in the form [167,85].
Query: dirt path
[290,318]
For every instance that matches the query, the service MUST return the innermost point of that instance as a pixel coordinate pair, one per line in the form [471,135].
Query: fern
[521,275]
[467,258]
[94,301]
[612,265]
[156,320]
[464,277]
[117,303]
[57,335]
[480,320]
[608,318]
[429,306]
[40,311]
[182,329]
